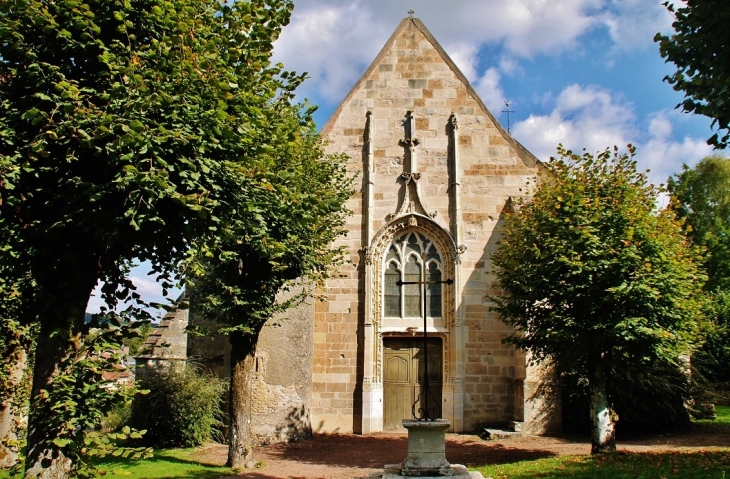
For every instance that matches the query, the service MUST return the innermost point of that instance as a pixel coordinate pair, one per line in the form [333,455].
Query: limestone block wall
[413,74]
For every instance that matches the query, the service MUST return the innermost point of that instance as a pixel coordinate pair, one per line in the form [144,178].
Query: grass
[723,417]
[166,464]
[713,464]
[708,464]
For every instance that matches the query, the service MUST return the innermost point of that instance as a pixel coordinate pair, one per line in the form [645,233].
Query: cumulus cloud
[582,117]
[663,154]
[465,55]
[632,24]
[489,90]
[594,119]
[335,41]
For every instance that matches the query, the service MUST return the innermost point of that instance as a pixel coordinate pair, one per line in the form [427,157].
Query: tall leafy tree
[128,129]
[703,201]
[271,261]
[597,281]
[700,48]
[702,196]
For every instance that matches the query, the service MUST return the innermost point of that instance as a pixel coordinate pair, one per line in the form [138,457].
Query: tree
[272,260]
[703,195]
[702,198]
[595,280]
[128,129]
[699,49]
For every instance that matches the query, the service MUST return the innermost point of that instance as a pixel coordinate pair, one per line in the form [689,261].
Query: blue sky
[584,73]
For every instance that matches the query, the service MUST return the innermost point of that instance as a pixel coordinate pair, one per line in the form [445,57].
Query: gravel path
[340,456]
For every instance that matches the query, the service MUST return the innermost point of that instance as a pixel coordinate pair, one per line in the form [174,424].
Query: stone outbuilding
[435,173]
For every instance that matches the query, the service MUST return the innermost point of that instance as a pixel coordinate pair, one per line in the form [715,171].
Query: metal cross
[508,111]
[425,413]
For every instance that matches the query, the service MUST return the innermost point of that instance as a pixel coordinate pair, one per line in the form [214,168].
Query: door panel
[403,376]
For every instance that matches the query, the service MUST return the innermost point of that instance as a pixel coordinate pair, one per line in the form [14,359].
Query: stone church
[435,173]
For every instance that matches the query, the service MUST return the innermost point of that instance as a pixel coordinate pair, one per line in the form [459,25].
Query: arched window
[411,257]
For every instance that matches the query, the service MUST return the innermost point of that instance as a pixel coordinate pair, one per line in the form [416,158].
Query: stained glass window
[412,257]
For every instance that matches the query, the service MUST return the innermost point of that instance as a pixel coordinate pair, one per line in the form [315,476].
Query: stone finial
[410,13]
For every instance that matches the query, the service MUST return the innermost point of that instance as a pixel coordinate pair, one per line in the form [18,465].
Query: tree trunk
[243,352]
[603,419]
[12,418]
[61,313]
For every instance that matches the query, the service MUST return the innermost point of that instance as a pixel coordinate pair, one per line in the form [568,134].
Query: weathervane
[508,111]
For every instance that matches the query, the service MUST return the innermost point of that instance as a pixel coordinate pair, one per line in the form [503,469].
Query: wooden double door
[403,375]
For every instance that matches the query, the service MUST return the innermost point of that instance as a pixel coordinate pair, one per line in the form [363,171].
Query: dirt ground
[340,456]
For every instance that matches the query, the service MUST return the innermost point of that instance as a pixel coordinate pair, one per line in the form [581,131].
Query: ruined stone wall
[282,386]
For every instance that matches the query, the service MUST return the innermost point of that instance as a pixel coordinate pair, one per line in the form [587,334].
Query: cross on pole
[424,413]
[508,111]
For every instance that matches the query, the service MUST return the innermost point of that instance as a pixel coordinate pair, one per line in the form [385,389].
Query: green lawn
[166,464]
[699,465]
[714,464]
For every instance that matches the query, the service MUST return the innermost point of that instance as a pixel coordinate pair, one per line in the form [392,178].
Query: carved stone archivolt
[377,250]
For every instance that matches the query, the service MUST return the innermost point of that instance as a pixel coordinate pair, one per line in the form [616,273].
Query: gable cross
[410,142]
[410,13]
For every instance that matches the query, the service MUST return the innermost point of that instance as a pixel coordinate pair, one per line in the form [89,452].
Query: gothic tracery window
[411,257]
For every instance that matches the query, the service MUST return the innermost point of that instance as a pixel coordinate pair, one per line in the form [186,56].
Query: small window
[392,297]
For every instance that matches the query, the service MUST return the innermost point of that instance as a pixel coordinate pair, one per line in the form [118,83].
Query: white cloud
[465,57]
[147,288]
[334,43]
[632,24]
[583,117]
[663,154]
[490,91]
[592,118]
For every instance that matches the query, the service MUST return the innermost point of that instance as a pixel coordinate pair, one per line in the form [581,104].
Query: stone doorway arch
[378,326]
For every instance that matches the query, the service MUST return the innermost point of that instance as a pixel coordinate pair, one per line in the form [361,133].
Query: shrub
[182,407]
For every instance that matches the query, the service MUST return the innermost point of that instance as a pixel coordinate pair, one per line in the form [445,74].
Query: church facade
[435,174]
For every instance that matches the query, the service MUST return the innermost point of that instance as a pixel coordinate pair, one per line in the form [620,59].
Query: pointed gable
[412,72]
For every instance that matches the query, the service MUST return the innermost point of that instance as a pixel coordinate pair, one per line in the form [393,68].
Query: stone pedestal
[426,454]
[426,448]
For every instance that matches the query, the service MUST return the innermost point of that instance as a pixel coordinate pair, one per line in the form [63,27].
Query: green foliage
[81,394]
[593,278]
[698,48]
[702,195]
[702,198]
[182,408]
[295,220]
[136,129]
[713,357]
[135,344]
